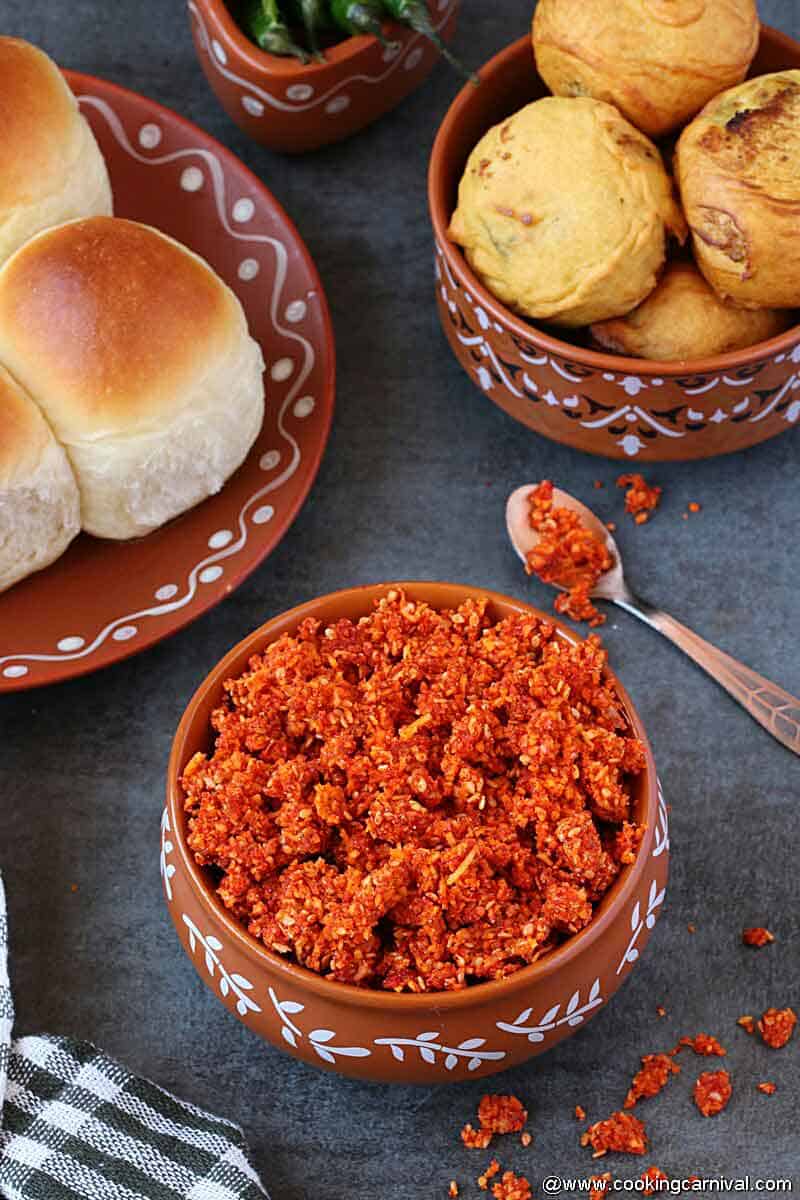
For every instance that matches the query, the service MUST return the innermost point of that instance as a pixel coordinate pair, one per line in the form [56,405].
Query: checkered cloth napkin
[75,1124]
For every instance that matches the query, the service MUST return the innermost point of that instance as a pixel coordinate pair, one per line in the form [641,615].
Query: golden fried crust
[685,319]
[563,212]
[738,166]
[658,61]
[110,322]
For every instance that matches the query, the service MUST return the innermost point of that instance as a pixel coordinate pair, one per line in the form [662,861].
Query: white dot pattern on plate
[299,91]
[337,104]
[221,538]
[68,644]
[270,460]
[219,51]
[304,406]
[243,210]
[252,105]
[166,592]
[414,59]
[149,136]
[124,633]
[248,269]
[296,311]
[263,514]
[209,574]
[192,179]
[15,672]
[281,369]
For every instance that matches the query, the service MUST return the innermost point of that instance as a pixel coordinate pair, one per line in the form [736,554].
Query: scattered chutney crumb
[712,1092]
[685,516]
[502,1114]
[475,1139]
[757,936]
[580,1112]
[621,1132]
[489,1173]
[703,1043]
[599,1186]
[453,1189]
[73,887]
[650,1178]
[694,507]
[776,1026]
[512,1187]
[641,498]
[374,806]
[660,1010]
[768,1088]
[525,1138]
[611,526]
[654,1075]
[567,554]
[747,1023]
[598,483]
[691,928]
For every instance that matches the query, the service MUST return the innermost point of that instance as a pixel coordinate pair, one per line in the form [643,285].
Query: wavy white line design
[217,177]
[298,106]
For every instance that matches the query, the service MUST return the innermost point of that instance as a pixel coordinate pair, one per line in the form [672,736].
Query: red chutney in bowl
[418,799]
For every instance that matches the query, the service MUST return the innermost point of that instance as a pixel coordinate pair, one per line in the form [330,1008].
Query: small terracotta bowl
[603,403]
[436,1038]
[292,107]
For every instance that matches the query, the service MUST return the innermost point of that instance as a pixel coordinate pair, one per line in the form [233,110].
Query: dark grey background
[413,485]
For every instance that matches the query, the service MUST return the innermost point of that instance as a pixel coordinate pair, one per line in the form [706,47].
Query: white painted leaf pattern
[574,1014]
[213,963]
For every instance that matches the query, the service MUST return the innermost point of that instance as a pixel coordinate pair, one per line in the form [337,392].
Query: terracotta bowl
[434,1038]
[287,106]
[603,403]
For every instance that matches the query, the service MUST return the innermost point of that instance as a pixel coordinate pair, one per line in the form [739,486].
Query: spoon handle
[767,703]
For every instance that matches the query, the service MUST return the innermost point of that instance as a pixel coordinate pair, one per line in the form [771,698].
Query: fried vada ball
[738,166]
[658,61]
[564,210]
[684,318]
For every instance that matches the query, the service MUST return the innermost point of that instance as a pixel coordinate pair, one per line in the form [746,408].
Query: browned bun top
[39,122]
[110,324]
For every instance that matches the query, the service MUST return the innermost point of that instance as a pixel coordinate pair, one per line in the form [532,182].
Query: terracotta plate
[103,601]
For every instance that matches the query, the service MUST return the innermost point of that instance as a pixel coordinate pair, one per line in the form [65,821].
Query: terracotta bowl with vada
[428,1037]
[557,379]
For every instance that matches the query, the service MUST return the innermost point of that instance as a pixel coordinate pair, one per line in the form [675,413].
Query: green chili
[263,21]
[313,14]
[359,16]
[414,13]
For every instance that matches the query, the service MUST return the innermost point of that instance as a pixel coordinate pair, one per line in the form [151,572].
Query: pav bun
[683,318]
[738,166]
[39,503]
[564,211]
[658,61]
[140,358]
[51,169]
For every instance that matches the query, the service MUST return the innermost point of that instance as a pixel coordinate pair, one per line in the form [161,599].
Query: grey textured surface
[413,485]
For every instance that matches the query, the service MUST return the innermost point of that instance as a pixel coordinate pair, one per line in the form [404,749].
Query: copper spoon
[767,703]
